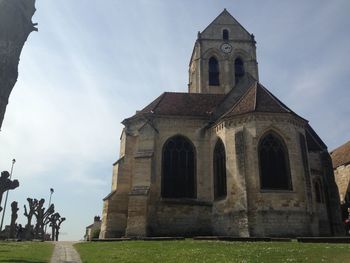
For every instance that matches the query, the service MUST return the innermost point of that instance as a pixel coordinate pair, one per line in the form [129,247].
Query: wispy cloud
[92,65]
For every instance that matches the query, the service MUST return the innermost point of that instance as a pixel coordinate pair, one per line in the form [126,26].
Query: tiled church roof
[258,99]
[341,155]
[184,104]
[247,96]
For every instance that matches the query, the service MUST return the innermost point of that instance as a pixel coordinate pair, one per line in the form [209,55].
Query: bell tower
[223,53]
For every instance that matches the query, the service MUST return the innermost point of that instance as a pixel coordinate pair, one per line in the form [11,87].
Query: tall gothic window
[274,164]
[219,170]
[239,69]
[318,192]
[214,72]
[225,34]
[178,168]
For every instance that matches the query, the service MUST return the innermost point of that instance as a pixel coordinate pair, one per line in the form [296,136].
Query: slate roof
[341,155]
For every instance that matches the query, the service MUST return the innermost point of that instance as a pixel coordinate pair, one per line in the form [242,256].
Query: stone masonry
[240,113]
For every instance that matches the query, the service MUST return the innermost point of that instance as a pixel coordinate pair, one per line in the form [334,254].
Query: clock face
[226,48]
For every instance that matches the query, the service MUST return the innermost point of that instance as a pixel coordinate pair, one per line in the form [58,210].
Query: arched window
[214,72]
[318,192]
[239,69]
[178,168]
[225,34]
[274,164]
[219,166]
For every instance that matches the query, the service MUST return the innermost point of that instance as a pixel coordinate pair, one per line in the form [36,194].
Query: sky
[94,63]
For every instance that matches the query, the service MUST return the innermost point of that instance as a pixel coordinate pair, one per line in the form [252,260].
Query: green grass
[211,251]
[25,252]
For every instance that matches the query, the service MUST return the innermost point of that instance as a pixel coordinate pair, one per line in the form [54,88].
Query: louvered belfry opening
[274,164]
[214,72]
[219,166]
[225,34]
[239,69]
[178,168]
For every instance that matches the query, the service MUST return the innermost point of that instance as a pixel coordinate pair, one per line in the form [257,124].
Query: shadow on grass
[21,261]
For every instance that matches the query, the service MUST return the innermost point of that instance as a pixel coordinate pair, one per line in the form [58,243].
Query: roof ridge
[240,99]
[175,92]
[280,103]
[225,11]
[344,144]
[160,99]
[193,93]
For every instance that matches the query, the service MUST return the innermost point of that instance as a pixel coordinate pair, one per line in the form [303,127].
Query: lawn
[211,251]
[25,252]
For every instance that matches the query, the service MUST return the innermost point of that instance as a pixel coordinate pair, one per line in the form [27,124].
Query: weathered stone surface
[136,206]
[15,27]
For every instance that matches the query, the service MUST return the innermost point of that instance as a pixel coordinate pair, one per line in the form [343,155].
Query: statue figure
[14,216]
[6,184]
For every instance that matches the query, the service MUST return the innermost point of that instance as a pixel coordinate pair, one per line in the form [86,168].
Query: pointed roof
[225,18]
[258,99]
[233,96]
[248,96]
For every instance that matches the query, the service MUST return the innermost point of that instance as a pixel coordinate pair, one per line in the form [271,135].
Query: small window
[274,164]
[225,34]
[239,69]
[214,72]
[178,168]
[219,170]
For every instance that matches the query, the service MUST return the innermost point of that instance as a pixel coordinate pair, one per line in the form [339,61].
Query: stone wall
[115,205]
[270,210]
[208,44]
[137,208]
[342,178]
[181,218]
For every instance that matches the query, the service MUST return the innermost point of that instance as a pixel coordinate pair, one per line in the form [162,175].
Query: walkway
[64,252]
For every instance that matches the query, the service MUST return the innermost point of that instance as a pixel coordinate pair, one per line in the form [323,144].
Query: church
[227,158]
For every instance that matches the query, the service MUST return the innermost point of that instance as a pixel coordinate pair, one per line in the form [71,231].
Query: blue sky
[94,63]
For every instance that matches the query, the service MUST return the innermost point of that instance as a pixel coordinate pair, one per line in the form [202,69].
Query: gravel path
[64,252]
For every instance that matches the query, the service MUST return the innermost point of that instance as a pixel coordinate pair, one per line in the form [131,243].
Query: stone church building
[227,158]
